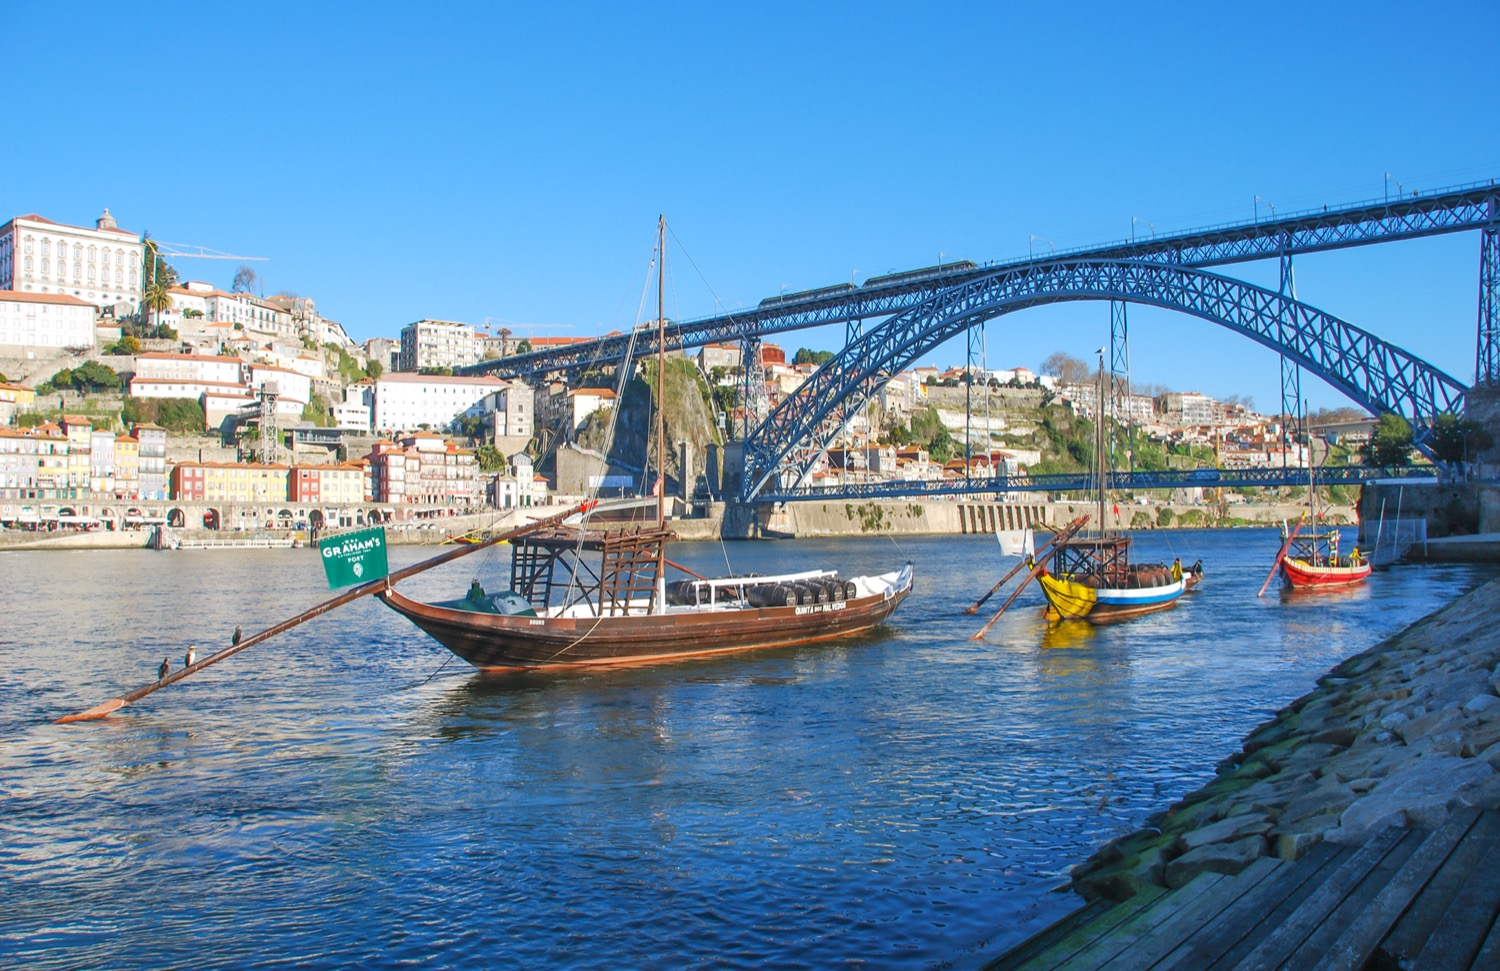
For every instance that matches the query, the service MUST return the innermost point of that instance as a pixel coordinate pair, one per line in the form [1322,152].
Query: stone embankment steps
[1407,898]
[1402,739]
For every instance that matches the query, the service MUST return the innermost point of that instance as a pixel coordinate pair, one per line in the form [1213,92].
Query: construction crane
[180,251]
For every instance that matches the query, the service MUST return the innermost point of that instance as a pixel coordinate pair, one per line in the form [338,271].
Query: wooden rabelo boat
[1312,562]
[1090,576]
[563,611]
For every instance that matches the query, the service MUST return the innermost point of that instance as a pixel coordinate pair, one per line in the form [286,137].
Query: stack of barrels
[796,593]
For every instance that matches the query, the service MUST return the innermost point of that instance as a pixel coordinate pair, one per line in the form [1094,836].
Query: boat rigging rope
[434,674]
[723,547]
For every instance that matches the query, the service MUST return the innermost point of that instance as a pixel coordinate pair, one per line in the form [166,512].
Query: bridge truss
[921,310]
[1462,209]
[1342,475]
[1375,374]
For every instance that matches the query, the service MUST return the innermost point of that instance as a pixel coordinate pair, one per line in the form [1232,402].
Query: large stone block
[1226,858]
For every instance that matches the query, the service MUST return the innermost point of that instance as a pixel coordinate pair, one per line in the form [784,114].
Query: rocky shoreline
[1402,734]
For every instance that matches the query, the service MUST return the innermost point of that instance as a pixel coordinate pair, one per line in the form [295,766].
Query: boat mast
[661,373]
[1099,457]
[660,599]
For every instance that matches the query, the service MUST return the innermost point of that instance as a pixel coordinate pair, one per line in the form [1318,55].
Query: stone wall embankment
[1402,734]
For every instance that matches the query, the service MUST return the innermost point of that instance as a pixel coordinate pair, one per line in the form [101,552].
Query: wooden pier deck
[1408,898]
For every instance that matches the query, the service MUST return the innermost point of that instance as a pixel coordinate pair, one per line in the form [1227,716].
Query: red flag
[1117,512]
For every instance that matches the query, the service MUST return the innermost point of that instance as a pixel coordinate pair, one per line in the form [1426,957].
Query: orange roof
[22,296]
[165,356]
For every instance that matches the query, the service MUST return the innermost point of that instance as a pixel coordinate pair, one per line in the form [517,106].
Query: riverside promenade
[1360,827]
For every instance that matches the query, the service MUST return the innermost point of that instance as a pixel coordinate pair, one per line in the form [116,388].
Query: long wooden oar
[363,590]
[974,607]
[1282,555]
[1036,570]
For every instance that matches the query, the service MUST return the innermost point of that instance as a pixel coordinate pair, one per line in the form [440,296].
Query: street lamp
[1138,219]
[1268,202]
[1032,239]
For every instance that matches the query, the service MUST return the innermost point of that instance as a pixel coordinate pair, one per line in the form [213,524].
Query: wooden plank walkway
[1408,898]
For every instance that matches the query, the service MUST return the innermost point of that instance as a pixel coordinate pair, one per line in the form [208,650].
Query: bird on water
[187,662]
[164,670]
[238,633]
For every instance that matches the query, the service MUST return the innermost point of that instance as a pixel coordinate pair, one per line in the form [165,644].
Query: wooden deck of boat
[1408,898]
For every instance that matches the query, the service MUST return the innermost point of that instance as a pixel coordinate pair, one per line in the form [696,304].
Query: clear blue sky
[508,161]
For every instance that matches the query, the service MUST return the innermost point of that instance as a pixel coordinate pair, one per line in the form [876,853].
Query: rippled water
[340,795]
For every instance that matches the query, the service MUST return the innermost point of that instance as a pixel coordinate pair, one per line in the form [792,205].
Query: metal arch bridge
[1377,375]
[1464,208]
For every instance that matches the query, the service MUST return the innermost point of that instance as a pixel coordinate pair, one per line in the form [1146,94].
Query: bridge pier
[987,517]
[1482,406]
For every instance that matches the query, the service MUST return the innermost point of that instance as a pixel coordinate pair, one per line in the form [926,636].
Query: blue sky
[507,162]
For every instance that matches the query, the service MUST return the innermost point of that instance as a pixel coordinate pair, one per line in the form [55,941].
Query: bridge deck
[1408,898]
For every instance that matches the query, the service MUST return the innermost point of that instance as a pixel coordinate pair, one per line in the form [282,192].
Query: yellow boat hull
[1067,600]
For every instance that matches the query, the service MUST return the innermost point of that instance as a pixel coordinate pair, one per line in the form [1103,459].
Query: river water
[346,795]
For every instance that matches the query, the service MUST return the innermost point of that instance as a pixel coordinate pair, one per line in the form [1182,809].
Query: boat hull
[1300,575]
[1069,600]
[512,642]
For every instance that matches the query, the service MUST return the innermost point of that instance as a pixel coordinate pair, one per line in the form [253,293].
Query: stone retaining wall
[1402,734]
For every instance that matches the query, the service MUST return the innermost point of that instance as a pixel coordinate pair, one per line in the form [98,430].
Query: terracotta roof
[23,296]
[164,356]
[407,377]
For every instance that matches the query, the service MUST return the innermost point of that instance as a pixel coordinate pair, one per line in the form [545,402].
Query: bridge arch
[1373,373]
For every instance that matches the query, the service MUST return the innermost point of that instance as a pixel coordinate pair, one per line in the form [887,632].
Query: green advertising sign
[354,557]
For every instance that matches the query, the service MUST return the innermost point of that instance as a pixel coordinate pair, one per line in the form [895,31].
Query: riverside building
[437,344]
[101,266]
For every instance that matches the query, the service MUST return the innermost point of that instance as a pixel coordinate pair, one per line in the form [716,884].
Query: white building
[437,343]
[1189,408]
[183,388]
[586,401]
[35,321]
[509,412]
[289,385]
[101,265]
[410,401]
[190,367]
[518,486]
[352,415]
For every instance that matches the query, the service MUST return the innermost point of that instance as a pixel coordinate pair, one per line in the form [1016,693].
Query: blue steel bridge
[894,320]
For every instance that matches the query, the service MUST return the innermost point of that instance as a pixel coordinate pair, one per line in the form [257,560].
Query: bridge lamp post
[1032,239]
[1268,202]
[1138,219]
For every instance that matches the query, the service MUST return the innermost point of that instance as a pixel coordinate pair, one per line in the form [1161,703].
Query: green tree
[157,279]
[523,346]
[1456,439]
[1390,442]
[490,459]
[941,445]
[173,414]
[374,369]
[807,356]
[126,345]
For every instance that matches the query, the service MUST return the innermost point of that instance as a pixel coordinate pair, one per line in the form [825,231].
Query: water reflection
[346,796]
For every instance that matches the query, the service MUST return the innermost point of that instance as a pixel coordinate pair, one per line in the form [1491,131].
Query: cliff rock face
[634,442]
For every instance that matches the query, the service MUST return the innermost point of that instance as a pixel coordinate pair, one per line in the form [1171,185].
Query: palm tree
[159,278]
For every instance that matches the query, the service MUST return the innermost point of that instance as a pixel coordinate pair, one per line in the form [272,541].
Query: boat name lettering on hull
[819,608]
